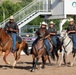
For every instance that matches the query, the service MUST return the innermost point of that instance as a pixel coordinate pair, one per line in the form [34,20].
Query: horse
[39,51]
[54,52]
[6,44]
[67,47]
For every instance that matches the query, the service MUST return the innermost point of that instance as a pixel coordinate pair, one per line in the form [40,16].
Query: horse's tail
[25,50]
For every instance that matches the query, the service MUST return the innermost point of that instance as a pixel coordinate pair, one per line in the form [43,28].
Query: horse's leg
[64,59]
[1,52]
[74,57]
[44,58]
[33,63]
[56,53]
[43,62]
[61,58]
[5,55]
[17,56]
[49,60]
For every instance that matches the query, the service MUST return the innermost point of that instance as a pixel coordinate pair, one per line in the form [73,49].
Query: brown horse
[6,44]
[39,51]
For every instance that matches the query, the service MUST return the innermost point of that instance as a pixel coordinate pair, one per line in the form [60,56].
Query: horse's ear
[63,31]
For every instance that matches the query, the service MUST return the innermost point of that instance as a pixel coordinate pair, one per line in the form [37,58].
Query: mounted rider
[42,32]
[11,28]
[53,34]
[71,29]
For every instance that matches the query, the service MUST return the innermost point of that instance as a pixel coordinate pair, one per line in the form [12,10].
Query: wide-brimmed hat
[51,22]
[71,19]
[11,17]
[44,23]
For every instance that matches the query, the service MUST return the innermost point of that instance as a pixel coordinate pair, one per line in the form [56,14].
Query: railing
[34,7]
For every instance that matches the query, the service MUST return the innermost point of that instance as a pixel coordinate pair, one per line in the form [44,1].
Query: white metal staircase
[29,12]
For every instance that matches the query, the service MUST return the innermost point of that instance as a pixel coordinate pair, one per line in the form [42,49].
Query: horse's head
[2,33]
[63,35]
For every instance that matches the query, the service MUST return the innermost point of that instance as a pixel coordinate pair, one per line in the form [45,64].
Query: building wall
[57,8]
[70,7]
[62,8]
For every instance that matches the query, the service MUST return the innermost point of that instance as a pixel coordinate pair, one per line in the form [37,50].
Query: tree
[36,21]
[10,8]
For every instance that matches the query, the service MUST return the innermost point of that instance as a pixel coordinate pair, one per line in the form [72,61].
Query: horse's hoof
[4,67]
[8,63]
[14,64]
[59,65]
[32,70]
[38,67]
[71,65]
[13,67]
[43,67]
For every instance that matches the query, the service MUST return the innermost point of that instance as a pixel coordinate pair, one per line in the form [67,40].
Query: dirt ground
[24,65]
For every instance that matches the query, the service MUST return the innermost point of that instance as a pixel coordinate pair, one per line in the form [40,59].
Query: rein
[41,48]
[67,44]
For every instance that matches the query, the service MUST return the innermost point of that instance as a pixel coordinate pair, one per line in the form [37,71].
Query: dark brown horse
[59,49]
[39,51]
[6,44]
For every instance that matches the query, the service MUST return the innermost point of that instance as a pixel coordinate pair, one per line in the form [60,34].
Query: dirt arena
[24,65]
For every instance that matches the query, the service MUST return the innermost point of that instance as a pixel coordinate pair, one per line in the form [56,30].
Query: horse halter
[63,37]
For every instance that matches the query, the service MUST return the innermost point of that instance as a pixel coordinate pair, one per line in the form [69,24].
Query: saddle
[18,39]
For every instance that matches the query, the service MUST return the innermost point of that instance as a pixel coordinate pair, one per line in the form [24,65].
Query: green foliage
[10,8]
[56,21]
[25,2]
[65,25]
[36,21]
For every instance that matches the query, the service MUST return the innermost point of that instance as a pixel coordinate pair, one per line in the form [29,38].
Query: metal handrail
[18,12]
[27,11]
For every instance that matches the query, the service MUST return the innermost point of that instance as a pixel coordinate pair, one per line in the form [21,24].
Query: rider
[53,34]
[71,29]
[11,28]
[42,33]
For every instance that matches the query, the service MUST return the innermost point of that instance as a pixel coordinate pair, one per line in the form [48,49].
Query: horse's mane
[64,31]
[3,32]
